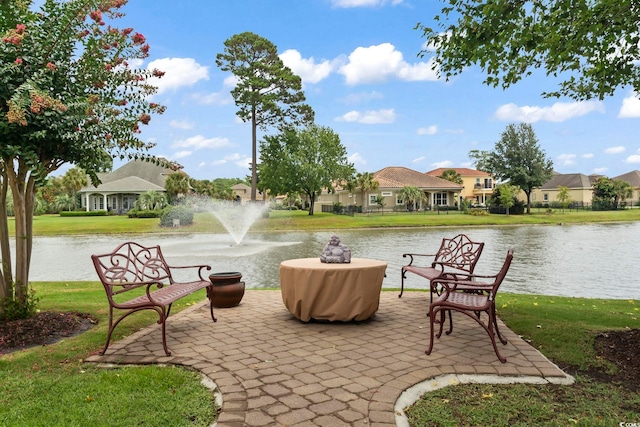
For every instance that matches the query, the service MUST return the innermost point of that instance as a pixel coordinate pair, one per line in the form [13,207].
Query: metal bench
[456,255]
[132,266]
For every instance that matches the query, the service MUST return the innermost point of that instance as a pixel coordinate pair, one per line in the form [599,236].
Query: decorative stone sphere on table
[335,252]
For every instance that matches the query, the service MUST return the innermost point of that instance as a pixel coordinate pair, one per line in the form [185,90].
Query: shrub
[477,212]
[83,213]
[14,310]
[181,213]
[144,213]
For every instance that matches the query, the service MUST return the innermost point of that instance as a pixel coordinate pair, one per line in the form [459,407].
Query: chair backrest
[132,263]
[459,252]
[502,273]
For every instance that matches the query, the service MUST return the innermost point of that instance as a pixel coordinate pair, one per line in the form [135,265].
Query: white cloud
[431,130]
[239,160]
[567,159]
[181,124]
[369,117]
[197,142]
[630,107]
[375,64]
[615,150]
[634,158]
[307,69]
[600,171]
[182,154]
[179,72]
[443,164]
[363,3]
[357,159]
[558,112]
[418,159]
[587,156]
[215,98]
[356,98]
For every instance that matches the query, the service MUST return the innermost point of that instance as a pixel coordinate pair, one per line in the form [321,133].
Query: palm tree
[64,202]
[411,195]
[366,183]
[452,175]
[177,185]
[621,191]
[151,200]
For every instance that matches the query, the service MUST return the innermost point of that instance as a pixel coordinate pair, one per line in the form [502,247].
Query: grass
[52,385]
[50,225]
[563,329]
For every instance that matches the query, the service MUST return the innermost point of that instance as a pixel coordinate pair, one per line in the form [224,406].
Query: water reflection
[594,260]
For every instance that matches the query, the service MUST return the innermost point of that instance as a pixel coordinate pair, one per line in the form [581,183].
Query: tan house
[632,178]
[391,181]
[478,185]
[580,189]
[242,193]
[120,189]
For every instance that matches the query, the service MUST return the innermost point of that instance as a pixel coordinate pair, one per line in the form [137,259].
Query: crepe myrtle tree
[267,93]
[67,95]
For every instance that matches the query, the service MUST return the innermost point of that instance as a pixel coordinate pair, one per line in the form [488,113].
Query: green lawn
[49,225]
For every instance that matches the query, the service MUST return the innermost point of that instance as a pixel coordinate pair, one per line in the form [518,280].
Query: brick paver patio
[273,370]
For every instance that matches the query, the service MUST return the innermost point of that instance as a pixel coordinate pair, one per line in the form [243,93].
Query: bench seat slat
[167,295]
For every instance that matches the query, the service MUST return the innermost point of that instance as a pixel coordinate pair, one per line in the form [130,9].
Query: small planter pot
[226,289]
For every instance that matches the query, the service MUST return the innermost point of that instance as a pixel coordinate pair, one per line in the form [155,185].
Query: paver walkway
[273,370]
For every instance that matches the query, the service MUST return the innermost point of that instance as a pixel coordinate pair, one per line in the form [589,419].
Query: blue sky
[362,76]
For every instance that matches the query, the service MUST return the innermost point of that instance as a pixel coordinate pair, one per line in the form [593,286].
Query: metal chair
[471,296]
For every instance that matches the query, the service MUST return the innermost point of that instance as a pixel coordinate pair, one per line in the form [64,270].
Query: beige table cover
[322,291]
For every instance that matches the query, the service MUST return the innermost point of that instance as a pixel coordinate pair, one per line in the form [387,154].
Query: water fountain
[234,217]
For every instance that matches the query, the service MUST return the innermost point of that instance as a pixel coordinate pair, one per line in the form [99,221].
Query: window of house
[545,197]
[440,199]
[386,194]
[488,183]
[399,200]
[372,199]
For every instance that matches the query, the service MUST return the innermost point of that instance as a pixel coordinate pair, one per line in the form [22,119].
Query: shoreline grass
[278,221]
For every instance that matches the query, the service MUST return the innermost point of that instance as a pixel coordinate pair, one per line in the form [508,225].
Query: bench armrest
[413,256]
[199,267]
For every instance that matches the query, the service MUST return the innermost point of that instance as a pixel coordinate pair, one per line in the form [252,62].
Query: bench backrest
[131,265]
[459,253]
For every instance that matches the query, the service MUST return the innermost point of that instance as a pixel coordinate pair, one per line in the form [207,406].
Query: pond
[591,260]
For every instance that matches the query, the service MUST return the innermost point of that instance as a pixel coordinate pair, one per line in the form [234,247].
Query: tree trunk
[528,193]
[6,275]
[312,200]
[254,154]
[23,207]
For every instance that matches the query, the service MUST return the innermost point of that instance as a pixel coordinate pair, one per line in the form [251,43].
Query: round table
[323,291]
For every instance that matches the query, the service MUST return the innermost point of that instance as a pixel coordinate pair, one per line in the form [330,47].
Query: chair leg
[490,328]
[163,322]
[501,337]
[111,328]
[431,334]
[210,296]
[402,277]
